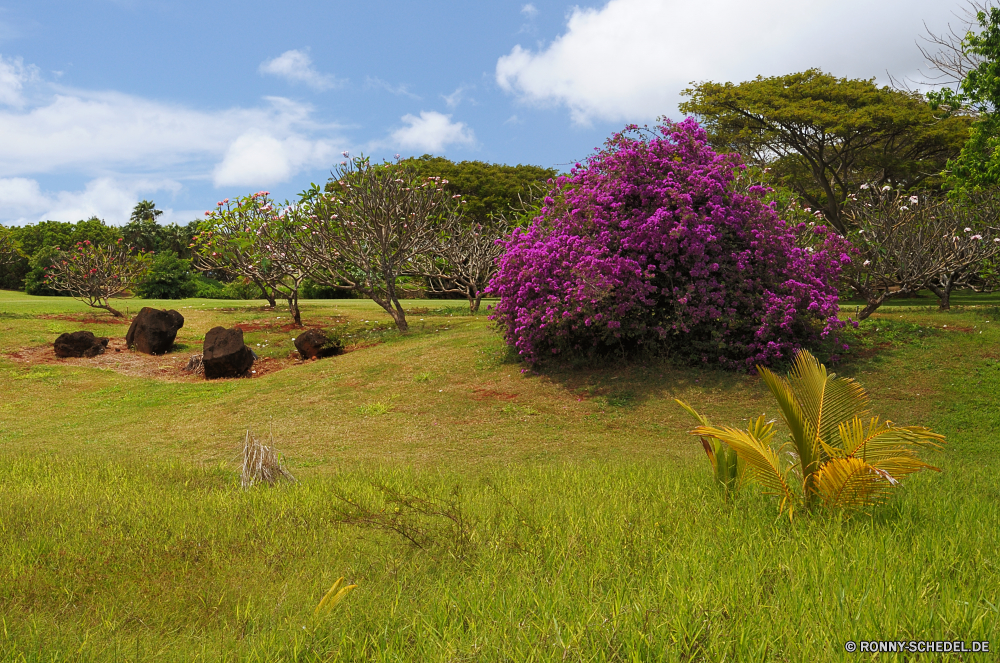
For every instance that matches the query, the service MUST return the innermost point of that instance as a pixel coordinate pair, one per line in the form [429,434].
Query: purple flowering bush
[658,246]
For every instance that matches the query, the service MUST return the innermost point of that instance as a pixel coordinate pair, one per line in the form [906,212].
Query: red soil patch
[82,319]
[166,367]
[118,358]
[489,394]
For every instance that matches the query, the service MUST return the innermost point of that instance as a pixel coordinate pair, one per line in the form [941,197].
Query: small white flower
[968,230]
[914,200]
[867,262]
[887,188]
[977,237]
[904,208]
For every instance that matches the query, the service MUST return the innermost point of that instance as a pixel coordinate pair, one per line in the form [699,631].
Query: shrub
[313,290]
[169,277]
[655,247]
[94,273]
[208,288]
[34,281]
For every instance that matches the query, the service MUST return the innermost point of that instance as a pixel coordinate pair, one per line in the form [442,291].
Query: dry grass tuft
[262,464]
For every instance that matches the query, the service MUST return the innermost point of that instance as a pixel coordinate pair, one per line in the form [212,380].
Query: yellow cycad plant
[840,455]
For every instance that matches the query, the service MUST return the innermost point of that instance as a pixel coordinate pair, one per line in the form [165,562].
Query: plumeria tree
[369,226]
[907,242]
[241,237]
[654,247]
[465,260]
[94,273]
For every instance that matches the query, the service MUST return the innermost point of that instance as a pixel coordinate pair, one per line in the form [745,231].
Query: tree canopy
[978,164]
[823,136]
[488,188]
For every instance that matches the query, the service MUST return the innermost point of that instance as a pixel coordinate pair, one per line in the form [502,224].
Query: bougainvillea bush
[657,245]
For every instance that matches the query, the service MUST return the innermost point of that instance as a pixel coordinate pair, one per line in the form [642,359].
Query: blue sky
[106,102]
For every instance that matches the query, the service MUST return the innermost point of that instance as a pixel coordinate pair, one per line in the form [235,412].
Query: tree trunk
[268,295]
[474,304]
[871,306]
[943,292]
[293,308]
[112,311]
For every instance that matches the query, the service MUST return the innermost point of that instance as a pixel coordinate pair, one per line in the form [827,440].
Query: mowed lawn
[484,513]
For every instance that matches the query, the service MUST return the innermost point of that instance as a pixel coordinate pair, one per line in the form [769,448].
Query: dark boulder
[315,343]
[225,355]
[80,344]
[153,330]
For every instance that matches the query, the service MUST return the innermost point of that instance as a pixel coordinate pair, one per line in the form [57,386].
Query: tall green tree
[488,189]
[823,136]
[978,164]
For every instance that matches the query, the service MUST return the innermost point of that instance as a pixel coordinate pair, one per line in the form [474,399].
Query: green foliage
[312,290]
[34,280]
[488,189]
[208,288]
[822,136]
[978,165]
[242,290]
[169,277]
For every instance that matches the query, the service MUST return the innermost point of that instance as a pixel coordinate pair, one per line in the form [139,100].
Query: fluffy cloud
[296,66]
[23,200]
[13,75]
[629,59]
[431,132]
[100,132]
[257,158]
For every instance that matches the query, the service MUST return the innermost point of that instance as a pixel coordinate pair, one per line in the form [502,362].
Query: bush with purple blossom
[659,245]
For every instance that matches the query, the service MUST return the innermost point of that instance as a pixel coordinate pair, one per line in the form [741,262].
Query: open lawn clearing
[496,515]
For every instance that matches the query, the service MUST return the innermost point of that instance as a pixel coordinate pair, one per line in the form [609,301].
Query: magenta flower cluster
[653,246]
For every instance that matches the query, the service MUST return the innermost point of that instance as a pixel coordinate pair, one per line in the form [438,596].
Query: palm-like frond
[813,404]
[851,483]
[763,465]
[839,457]
[726,465]
[825,400]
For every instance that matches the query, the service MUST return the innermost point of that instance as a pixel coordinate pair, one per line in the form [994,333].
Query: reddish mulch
[82,319]
[118,358]
[166,367]
[489,394]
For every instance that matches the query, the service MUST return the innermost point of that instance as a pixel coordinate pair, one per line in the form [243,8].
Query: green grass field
[484,514]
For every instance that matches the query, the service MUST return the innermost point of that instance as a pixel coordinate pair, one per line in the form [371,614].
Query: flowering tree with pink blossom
[369,226]
[94,273]
[241,237]
[653,246]
[906,242]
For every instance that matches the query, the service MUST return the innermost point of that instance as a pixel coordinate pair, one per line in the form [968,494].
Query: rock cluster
[315,344]
[80,344]
[153,330]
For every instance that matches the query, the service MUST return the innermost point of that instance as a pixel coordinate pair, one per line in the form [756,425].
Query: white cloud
[296,66]
[13,75]
[529,10]
[257,158]
[455,98]
[399,90]
[23,200]
[629,59]
[98,133]
[431,132]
